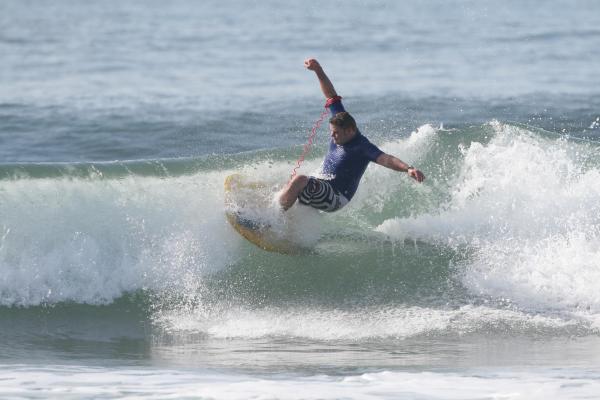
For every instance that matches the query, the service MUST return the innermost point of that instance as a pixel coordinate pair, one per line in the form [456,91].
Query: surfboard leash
[309,142]
[312,135]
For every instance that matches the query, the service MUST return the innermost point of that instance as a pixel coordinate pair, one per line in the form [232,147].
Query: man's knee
[295,186]
[299,181]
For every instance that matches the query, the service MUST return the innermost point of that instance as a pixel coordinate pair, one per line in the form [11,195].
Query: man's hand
[326,85]
[312,64]
[416,174]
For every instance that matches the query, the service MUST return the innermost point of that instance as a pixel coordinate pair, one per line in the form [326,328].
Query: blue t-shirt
[345,164]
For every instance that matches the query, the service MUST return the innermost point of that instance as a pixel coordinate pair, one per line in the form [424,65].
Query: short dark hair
[343,120]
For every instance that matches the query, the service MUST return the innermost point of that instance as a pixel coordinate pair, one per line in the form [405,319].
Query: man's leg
[290,194]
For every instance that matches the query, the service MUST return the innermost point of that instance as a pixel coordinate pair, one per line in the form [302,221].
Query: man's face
[340,136]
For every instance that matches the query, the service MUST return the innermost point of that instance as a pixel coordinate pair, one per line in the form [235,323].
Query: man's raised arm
[326,85]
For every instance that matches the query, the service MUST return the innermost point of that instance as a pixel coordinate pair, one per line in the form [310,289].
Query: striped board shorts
[321,195]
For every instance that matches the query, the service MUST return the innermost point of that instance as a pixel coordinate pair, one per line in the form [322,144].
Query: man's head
[342,127]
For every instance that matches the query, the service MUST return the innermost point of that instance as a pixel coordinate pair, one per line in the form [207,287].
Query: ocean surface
[120,277]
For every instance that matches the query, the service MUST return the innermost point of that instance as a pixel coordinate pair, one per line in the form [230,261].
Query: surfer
[346,161]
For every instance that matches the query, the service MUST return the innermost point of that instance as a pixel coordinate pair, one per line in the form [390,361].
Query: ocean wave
[508,216]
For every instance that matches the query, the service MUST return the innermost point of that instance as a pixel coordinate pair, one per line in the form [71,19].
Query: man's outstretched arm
[326,85]
[396,164]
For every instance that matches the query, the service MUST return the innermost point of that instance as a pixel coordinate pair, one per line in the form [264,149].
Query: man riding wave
[349,154]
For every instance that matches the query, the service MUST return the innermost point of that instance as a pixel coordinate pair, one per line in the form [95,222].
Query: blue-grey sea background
[120,277]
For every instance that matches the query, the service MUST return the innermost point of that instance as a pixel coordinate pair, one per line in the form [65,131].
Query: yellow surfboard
[249,210]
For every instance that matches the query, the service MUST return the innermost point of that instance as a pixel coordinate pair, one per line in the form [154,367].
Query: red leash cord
[309,143]
[313,133]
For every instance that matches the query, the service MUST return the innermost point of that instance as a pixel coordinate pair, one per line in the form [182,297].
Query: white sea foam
[528,208]
[74,382]
[363,323]
[92,240]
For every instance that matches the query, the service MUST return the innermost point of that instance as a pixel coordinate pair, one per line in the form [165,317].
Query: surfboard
[249,210]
